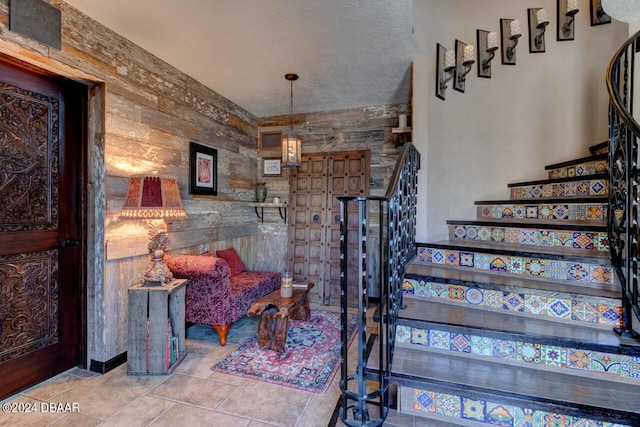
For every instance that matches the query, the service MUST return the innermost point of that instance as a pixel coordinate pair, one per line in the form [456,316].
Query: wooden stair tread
[513,326]
[498,280]
[493,381]
[501,248]
[548,200]
[591,158]
[534,223]
[560,180]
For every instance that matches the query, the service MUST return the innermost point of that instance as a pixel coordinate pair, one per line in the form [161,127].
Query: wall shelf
[282,209]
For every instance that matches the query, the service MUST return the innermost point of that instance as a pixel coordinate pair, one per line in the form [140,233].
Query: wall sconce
[538,21]
[154,198]
[509,33]
[487,46]
[567,10]
[465,58]
[445,69]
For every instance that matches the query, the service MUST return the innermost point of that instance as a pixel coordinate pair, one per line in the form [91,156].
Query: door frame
[91,104]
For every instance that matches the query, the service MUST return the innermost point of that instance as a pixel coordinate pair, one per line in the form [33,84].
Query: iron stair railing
[395,250]
[623,214]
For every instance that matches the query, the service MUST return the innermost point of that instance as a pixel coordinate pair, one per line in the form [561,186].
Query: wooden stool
[276,311]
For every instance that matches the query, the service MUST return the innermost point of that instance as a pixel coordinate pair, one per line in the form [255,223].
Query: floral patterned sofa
[219,292]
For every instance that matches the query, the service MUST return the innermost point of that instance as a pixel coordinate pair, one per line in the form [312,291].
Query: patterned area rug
[311,360]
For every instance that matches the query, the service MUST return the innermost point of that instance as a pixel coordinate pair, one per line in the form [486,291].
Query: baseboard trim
[104,367]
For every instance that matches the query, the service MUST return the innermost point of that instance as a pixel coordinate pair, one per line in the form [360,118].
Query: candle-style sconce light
[487,46]
[509,33]
[538,21]
[445,69]
[465,58]
[567,10]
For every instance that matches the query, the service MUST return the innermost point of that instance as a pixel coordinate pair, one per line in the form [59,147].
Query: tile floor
[192,395]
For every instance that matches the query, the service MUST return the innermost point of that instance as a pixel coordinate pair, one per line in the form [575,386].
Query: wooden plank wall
[142,115]
[366,128]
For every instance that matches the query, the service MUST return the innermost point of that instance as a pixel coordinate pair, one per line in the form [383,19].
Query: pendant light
[291,143]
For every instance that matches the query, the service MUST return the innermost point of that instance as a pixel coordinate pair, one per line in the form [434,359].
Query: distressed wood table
[276,312]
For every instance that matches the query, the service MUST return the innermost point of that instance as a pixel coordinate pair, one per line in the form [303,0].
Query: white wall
[548,108]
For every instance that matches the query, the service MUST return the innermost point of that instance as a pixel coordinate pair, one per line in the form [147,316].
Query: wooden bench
[276,312]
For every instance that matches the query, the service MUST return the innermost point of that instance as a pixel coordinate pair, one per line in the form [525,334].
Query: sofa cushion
[231,256]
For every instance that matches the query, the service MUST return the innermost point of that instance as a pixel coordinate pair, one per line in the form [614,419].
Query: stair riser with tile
[594,274]
[472,411]
[583,188]
[546,211]
[518,350]
[535,302]
[580,169]
[547,237]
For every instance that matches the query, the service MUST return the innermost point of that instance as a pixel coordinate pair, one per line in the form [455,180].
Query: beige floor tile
[104,395]
[193,391]
[185,415]
[266,402]
[75,420]
[321,407]
[196,366]
[141,412]
[55,386]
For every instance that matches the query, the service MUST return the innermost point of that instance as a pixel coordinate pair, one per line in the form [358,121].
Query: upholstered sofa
[216,294]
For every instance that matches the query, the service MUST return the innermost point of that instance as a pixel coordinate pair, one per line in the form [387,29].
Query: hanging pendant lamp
[291,143]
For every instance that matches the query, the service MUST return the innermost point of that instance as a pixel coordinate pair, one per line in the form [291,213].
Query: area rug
[310,362]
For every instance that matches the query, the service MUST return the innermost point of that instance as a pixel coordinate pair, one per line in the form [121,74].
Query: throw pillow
[231,256]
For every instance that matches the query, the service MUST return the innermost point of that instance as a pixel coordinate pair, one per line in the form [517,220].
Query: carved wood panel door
[41,262]
[314,225]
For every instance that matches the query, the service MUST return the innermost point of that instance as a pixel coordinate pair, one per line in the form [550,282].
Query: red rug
[311,359]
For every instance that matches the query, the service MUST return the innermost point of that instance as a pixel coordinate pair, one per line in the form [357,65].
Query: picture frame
[203,170]
[270,141]
[598,15]
[272,166]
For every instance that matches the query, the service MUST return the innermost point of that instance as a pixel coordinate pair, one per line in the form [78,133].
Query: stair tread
[544,330]
[591,158]
[526,383]
[549,200]
[500,248]
[535,223]
[454,274]
[560,180]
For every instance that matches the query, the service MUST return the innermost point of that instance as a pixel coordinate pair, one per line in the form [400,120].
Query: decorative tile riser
[592,187]
[598,241]
[525,266]
[587,361]
[581,169]
[568,211]
[482,412]
[561,306]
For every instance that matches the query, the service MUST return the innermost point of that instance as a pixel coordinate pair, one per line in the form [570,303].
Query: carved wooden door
[314,225]
[41,266]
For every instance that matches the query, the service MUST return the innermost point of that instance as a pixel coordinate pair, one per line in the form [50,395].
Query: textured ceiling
[348,53]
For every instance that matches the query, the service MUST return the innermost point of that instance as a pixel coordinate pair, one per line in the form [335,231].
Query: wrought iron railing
[395,250]
[623,214]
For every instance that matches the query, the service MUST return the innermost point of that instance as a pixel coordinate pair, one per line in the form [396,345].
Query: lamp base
[158,273]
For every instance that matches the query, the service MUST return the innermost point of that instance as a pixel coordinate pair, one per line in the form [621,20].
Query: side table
[156,328]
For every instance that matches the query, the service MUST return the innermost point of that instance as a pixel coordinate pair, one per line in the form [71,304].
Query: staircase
[511,321]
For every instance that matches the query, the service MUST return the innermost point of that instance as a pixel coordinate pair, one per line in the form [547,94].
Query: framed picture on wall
[272,166]
[203,170]
[271,141]
[598,15]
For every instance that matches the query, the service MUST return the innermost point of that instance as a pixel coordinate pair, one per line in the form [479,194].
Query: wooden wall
[142,115]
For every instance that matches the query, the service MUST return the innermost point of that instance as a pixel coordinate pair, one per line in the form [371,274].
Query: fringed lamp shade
[154,198]
[151,196]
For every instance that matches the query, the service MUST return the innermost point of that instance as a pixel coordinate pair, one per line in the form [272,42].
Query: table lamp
[154,197]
